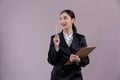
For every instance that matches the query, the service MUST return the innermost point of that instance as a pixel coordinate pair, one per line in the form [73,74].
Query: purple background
[26,27]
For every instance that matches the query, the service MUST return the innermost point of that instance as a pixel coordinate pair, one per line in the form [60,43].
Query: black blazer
[59,58]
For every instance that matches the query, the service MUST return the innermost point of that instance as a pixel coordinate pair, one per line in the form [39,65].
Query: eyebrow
[63,16]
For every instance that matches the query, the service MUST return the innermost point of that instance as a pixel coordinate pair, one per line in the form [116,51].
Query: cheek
[60,22]
[69,22]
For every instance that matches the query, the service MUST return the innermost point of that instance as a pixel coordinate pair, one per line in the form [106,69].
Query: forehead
[64,14]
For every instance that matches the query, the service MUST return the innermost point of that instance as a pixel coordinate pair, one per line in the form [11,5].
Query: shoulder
[79,35]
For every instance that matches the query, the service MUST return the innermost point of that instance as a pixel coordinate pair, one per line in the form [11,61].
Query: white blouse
[68,38]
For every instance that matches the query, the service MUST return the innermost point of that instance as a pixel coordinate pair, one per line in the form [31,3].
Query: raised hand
[56,40]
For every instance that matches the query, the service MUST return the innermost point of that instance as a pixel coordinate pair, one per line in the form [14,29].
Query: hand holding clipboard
[83,52]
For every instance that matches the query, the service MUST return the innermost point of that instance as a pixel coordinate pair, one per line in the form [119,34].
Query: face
[66,21]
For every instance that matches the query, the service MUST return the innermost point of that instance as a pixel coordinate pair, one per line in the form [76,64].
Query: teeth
[64,24]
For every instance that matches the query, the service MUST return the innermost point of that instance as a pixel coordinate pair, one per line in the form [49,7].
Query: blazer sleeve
[84,61]
[53,55]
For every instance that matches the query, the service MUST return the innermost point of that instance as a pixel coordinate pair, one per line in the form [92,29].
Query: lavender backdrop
[26,27]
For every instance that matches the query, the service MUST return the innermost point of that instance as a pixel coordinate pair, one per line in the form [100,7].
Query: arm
[53,54]
[84,61]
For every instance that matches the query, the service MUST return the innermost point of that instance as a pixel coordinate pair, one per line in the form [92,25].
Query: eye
[60,18]
[65,17]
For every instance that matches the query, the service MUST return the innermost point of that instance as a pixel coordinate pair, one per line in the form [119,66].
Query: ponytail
[74,28]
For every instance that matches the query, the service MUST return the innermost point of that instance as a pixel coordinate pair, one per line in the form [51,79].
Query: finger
[56,34]
[70,59]
[72,55]
[56,37]
[76,56]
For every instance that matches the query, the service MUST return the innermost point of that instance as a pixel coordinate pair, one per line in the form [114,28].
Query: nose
[62,21]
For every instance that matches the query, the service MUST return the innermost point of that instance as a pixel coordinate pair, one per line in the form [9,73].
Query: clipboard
[83,52]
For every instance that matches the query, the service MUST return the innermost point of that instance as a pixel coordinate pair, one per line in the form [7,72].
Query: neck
[68,31]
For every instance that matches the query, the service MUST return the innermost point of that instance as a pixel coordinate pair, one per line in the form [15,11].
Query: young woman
[63,47]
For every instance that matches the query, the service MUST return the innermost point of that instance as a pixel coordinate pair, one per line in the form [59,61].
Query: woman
[63,47]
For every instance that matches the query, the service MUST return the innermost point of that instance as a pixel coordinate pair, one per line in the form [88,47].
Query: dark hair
[72,15]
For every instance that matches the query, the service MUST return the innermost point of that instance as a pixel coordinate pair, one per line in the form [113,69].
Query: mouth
[63,24]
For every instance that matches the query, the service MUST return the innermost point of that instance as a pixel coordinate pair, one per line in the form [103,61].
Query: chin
[64,28]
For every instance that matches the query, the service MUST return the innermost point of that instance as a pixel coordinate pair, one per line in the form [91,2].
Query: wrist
[56,46]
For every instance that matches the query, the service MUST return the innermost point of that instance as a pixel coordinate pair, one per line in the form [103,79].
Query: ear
[73,20]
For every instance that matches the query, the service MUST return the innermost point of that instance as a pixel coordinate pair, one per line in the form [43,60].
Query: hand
[56,41]
[74,58]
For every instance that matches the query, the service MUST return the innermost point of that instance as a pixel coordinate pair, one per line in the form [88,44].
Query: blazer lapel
[75,44]
[63,44]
